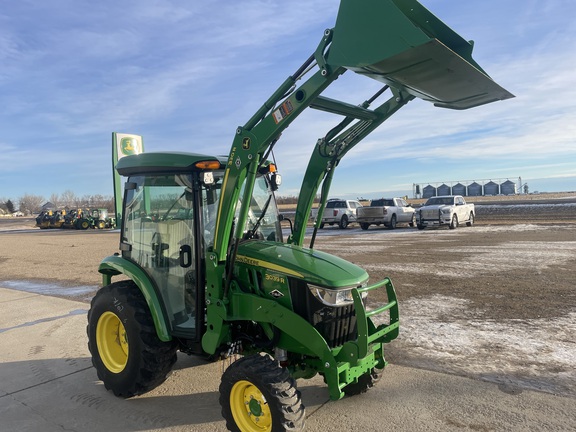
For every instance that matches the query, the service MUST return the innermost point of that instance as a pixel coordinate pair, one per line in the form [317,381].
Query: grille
[430,214]
[337,325]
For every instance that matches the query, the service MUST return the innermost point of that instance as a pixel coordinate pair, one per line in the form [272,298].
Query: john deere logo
[246,143]
[129,146]
[276,294]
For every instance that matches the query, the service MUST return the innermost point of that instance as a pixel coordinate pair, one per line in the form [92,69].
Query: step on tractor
[209,267]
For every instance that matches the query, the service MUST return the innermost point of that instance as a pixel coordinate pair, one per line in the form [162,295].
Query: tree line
[30,204]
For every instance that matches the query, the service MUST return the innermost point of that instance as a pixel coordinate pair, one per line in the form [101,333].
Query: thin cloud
[186,74]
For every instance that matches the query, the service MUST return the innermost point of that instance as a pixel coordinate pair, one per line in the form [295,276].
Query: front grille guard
[368,333]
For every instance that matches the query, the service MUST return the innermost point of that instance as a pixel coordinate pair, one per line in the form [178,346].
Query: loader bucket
[401,43]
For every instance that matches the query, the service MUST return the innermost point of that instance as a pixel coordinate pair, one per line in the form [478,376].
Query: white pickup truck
[387,212]
[340,212]
[448,210]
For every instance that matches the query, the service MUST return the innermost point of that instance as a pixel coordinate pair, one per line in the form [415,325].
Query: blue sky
[186,74]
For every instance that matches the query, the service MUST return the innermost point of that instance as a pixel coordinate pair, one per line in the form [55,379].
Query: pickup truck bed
[386,211]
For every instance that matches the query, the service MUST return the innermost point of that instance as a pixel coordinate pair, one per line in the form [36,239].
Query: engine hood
[435,207]
[316,267]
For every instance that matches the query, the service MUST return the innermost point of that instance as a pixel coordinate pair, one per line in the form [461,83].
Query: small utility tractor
[76,219]
[206,267]
[99,218]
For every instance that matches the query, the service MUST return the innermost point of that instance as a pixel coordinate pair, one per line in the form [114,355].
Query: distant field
[539,198]
[546,202]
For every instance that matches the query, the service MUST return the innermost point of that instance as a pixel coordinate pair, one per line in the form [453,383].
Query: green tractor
[83,219]
[77,219]
[207,265]
[100,218]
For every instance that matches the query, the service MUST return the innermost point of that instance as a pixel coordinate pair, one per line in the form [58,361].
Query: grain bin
[444,189]
[475,189]
[491,188]
[459,189]
[428,191]
[508,188]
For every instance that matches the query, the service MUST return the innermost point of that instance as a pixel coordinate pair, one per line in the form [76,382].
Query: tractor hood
[315,267]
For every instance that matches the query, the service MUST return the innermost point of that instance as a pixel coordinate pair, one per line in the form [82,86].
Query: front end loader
[206,265]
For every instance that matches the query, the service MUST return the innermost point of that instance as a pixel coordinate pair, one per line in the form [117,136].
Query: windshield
[210,197]
[440,201]
[262,222]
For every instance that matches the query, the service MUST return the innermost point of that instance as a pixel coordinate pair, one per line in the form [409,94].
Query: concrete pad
[408,400]
[47,383]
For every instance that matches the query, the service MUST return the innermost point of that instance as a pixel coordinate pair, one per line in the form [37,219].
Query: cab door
[159,235]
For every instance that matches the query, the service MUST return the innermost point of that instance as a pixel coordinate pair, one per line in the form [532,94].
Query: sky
[184,75]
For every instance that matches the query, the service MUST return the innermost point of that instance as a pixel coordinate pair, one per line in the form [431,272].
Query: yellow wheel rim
[249,408]
[112,342]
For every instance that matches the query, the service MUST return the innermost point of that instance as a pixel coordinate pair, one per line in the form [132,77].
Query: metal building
[508,188]
[475,189]
[470,188]
[428,191]
[444,189]
[459,189]
[491,188]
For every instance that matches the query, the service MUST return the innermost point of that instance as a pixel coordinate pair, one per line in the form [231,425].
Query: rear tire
[392,223]
[258,395]
[343,222]
[128,355]
[471,220]
[83,224]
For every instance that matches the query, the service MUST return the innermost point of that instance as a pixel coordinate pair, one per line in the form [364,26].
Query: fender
[116,265]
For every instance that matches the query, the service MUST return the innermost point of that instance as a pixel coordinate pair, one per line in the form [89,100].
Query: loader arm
[397,42]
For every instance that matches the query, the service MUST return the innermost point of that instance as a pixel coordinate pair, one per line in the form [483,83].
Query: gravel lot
[495,301]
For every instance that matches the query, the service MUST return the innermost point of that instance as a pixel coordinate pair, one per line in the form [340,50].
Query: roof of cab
[156,162]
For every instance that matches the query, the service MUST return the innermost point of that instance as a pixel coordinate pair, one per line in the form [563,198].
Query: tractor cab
[169,219]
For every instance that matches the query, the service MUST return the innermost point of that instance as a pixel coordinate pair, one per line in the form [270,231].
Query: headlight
[334,297]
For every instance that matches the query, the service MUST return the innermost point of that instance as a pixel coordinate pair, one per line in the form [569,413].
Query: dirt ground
[495,301]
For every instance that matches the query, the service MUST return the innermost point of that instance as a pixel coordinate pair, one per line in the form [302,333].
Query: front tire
[128,355]
[365,382]
[364,225]
[453,222]
[258,395]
